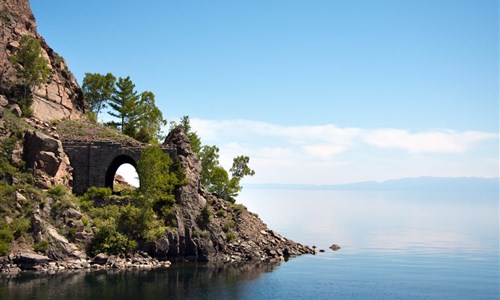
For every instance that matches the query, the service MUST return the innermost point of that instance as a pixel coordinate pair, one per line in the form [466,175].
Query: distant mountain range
[419,183]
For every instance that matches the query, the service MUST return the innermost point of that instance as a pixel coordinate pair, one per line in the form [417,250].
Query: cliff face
[229,233]
[61,97]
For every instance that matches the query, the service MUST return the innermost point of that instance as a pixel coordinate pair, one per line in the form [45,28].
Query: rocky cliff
[44,226]
[61,97]
[230,233]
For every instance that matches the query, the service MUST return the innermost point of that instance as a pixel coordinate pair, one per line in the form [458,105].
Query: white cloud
[330,154]
[435,141]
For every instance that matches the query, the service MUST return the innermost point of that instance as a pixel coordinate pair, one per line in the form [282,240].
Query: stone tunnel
[95,163]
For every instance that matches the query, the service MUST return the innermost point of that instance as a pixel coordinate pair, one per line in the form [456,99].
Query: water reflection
[181,281]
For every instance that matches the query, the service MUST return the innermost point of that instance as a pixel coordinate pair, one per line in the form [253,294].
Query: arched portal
[113,167]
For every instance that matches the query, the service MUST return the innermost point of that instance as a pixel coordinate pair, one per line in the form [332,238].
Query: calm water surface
[395,245]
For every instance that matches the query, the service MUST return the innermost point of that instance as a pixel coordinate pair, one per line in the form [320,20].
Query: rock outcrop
[232,233]
[45,155]
[61,97]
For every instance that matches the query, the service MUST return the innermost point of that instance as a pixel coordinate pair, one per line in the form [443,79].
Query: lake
[395,245]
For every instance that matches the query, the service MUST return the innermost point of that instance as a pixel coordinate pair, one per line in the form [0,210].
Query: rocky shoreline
[14,264]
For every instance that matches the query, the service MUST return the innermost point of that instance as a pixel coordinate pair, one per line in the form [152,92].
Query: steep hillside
[60,97]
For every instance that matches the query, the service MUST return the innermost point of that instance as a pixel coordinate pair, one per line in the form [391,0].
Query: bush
[95,193]
[20,226]
[205,216]
[42,246]
[228,225]
[6,235]
[220,213]
[230,237]
[238,208]
[4,248]
[108,240]
[57,191]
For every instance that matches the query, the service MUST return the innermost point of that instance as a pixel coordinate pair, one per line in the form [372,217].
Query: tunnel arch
[113,167]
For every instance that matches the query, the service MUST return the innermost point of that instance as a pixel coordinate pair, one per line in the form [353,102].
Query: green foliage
[220,213]
[157,181]
[194,139]
[57,191]
[6,234]
[240,167]
[31,68]
[238,208]
[19,226]
[42,246]
[228,225]
[97,90]
[230,237]
[216,179]
[4,248]
[205,215]
[201,233]
[149,119]
[124,103]
[109,240]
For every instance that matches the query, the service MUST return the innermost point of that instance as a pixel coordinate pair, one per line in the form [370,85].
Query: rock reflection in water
[181,281]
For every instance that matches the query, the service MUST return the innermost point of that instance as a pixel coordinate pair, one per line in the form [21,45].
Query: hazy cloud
[332,154]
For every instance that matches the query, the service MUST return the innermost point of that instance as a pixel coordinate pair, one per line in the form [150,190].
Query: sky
[315,92]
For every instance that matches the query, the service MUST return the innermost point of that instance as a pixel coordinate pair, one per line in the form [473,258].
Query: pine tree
[124,104]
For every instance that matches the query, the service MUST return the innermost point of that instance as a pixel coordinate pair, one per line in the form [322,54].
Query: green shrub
[238,208]
[220,213]
[6,235]
[95,193]
[57,191]
[230,237]
[228,225]
[108,240]
[4,248]
[200,233]
[20,226]
[205,215]
[42,246]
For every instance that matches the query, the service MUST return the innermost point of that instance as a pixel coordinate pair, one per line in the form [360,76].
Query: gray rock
[3,101]
[16,110]
[30,261]
[335,247]
[100,259]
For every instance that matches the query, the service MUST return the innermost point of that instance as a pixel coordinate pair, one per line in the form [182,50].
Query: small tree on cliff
[124,103]
[98,89]
[31,68]
[216,179]
[193,137]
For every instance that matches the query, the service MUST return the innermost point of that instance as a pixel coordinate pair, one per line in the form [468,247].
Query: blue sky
[313,91]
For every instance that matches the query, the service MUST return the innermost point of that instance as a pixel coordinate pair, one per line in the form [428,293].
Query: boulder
[45,155]
[100,259]
[335,247]
[29,261]
[16,110]
[3,101]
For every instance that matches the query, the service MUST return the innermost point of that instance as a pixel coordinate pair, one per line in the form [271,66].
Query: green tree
[240,167]
[157,182]
[124,104]
[216,179]
[209,159]
[98,89]
[31,68]
[149,119]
